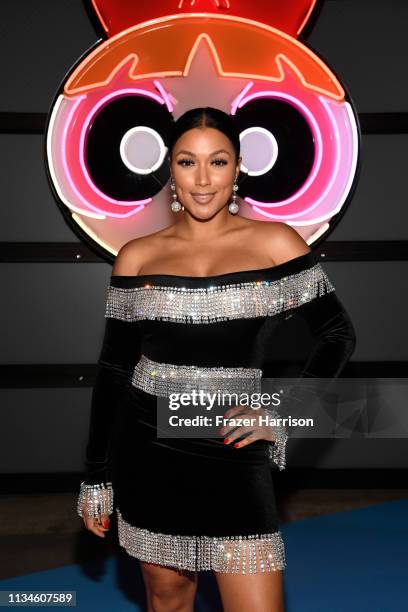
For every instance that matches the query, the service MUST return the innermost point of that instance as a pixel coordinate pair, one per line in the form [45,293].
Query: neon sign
[109,124]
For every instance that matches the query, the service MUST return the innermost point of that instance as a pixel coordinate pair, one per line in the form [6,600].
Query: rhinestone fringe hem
[231,554]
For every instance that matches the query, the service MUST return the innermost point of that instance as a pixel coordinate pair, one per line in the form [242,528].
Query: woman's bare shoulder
[133,254]
[281,241]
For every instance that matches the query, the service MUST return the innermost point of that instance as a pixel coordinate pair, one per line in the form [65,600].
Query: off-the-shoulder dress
[197,503]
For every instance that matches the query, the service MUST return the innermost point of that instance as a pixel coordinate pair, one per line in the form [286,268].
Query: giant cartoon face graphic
[108,128]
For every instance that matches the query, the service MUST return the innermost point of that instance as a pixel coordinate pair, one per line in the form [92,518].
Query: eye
[217,162]
[125,147]
[277,149]
[181,162]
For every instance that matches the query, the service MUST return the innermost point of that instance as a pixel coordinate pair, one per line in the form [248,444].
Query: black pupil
[296,149]
[102,149]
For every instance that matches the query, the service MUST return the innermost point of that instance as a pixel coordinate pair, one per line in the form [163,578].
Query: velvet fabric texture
[199,486]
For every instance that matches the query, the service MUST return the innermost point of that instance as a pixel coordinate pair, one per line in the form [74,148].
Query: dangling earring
[175,205]
[233,207]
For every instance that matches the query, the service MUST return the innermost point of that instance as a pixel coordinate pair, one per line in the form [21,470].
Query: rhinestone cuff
[162,379]
[217,302]
[276,450]
[231,554]
[96,499]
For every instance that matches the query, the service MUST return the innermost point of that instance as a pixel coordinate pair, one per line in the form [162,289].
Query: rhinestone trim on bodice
[217,302]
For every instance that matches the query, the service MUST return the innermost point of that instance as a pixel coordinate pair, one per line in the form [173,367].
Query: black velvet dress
[197,503]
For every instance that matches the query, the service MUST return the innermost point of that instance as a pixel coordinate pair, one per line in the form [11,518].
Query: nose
[202,177]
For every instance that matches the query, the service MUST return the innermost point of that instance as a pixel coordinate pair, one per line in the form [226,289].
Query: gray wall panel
[54,313]
[46,430]
[28,211]
[355,453]
[371,293]
[40,41]
[364,42]
[378,210]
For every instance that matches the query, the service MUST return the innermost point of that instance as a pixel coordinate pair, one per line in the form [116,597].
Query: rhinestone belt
[162,379]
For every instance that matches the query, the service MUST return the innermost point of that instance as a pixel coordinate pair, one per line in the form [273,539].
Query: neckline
[215,276]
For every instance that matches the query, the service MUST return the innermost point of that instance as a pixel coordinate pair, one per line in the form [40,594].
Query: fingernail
[236,444]
[226,440]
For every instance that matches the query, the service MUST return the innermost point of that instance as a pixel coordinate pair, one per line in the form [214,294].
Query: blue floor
[347,561]
[355,560]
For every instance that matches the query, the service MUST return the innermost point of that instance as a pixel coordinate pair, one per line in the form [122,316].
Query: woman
[203,298]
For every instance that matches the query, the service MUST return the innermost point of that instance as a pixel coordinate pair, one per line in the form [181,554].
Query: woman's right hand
[94,505]
[98,525]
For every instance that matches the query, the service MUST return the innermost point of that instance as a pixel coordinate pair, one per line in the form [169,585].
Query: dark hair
[205,117]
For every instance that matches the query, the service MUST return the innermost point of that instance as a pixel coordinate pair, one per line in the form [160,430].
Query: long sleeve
[334,341]
[121,349]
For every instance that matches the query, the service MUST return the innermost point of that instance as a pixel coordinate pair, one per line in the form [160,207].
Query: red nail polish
[226,440]
[236,444]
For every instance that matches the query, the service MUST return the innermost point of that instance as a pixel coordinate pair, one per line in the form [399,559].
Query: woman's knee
[260,591]
[169,589]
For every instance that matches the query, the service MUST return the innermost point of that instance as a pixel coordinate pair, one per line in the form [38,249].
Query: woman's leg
[261,592]
[169,589]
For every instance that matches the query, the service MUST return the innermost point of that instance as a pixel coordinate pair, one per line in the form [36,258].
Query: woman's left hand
[257,431]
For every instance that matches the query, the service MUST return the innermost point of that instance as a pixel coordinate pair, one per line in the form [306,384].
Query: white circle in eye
[142,149]
[259,150]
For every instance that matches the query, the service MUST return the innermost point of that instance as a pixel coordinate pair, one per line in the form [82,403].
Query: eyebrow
[214,152]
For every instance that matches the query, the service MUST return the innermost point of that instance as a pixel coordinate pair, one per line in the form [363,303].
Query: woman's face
[203,163]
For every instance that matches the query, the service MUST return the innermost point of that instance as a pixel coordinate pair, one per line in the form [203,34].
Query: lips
[202,198]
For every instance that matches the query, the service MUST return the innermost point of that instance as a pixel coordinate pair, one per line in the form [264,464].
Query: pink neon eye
[125,147]
[277,148]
